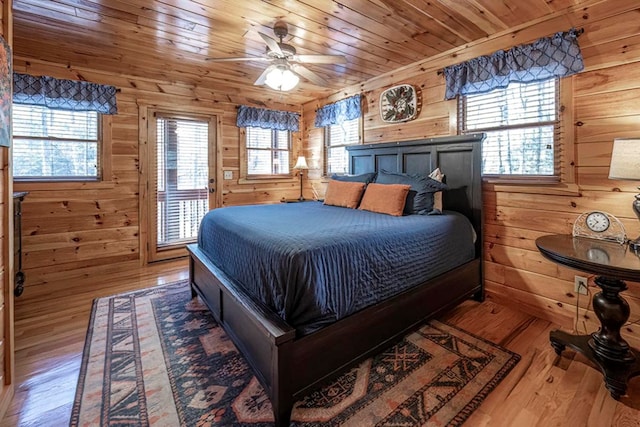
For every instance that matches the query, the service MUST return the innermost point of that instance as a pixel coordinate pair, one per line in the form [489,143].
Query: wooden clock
[398,104]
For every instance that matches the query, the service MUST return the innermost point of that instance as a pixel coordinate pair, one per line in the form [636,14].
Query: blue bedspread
[314,264]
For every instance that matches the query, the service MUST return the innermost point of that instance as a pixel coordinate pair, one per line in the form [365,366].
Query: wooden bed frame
[288,366]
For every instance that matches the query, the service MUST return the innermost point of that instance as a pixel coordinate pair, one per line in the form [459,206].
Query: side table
[612,263]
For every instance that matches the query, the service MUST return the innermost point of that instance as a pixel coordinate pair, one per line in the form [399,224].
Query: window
[522,126]
[55,144]
[337,137]
[268,151]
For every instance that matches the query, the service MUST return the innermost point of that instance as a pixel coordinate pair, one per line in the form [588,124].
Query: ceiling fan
[285,66]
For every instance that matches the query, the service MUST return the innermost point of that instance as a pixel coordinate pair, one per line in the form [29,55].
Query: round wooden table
[613,263]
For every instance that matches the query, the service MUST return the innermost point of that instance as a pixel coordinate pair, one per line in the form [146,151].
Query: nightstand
[612,263]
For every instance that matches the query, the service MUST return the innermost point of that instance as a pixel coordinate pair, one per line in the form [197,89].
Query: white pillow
[437,197]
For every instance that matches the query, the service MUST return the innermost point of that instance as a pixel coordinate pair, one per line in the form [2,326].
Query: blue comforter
[314,264]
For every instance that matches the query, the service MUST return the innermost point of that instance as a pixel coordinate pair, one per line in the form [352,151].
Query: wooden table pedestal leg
[606,347]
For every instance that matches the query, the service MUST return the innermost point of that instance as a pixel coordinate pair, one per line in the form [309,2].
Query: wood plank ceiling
[169,40]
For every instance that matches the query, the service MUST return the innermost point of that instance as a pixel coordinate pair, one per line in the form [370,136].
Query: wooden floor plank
[542,390]
[602,410]
[555,407]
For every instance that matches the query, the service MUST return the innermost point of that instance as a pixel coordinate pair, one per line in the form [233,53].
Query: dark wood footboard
[261,336]
[287,366]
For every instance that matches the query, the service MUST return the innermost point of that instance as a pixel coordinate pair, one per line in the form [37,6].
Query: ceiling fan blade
[260,80]
[237,59]
[309,75]
[320,59]
[272,44]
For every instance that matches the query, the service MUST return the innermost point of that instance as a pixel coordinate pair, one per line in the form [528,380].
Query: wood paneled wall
[604,106]
[72,228]
[6,252]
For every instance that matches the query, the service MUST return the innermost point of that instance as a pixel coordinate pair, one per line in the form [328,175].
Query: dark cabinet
[19,277]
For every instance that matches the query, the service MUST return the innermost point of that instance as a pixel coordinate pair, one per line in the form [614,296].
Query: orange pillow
[343,193]
[385,198]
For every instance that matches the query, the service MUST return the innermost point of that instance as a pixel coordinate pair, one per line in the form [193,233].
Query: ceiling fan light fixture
[286,67]
[282,78]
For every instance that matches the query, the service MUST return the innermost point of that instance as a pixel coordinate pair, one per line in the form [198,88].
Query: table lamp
[625,164]
[301,165]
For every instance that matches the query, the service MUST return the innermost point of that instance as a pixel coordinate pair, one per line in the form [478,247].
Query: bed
[292,341]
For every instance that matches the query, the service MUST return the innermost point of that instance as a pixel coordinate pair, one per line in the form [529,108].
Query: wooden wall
[6,253]
[71,229]
[603,104]
[74,229]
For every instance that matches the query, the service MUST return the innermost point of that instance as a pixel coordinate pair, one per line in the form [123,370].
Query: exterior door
[182,180]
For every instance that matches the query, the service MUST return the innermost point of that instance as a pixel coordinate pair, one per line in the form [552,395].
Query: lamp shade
[281,78]
[301,163]
[625,159]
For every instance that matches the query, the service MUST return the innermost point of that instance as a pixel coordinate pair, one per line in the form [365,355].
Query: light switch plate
[228,174]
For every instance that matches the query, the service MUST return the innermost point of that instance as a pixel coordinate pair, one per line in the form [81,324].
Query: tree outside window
[337,138]
[268,151]
[54,145]
[521,123]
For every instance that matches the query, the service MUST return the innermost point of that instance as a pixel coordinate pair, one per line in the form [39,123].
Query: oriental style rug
[157,357]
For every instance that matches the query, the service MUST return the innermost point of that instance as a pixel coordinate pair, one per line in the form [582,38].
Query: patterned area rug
[157,357]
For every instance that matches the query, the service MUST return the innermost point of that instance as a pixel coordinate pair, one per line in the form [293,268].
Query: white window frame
[327,145]
[102,151]
[272,149]
[560,163]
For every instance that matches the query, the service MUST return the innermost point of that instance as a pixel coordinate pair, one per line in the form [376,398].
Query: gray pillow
[420,197]
[364,177]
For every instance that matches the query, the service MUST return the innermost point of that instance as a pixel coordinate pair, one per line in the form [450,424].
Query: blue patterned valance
[555,56]
[267,119]
[339,112]
[72,95]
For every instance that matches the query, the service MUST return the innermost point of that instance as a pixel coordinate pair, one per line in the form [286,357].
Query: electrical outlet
[580,285]
[228,174]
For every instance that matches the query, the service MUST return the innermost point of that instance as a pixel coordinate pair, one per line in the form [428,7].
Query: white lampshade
[625,159]
[281,78]
[301,163]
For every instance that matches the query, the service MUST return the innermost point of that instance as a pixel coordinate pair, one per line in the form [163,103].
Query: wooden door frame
[146,166]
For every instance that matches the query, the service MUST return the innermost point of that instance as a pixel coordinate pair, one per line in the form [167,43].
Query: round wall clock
[398,104]
[599,225]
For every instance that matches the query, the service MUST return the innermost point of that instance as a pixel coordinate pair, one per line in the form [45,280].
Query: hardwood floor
[49,335]
[542,390]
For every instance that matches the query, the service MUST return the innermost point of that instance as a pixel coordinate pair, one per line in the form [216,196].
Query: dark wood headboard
[458,157]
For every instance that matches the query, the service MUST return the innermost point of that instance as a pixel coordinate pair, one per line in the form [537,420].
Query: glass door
[183,181]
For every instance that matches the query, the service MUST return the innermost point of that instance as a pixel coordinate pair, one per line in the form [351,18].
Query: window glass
[55,144]
[268,151]
[337,137]
[182,178]
[521,123]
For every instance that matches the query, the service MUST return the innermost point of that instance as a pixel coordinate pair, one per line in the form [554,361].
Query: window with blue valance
[339,112]
[555,56]
[70,95]
[267,119]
